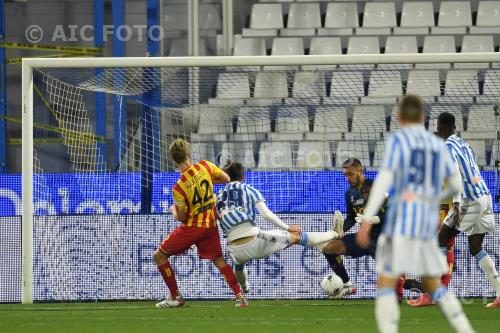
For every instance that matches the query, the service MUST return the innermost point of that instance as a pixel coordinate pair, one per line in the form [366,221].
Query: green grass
[220,316]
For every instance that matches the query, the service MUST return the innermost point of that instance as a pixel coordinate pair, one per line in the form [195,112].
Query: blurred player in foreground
[472,210]
[356,197]
[237,205]
[416,164]
[194,207]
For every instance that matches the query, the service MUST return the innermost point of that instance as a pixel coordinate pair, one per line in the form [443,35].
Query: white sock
[452,310]
[387,311]
[484,260]
[316,238]
[242,276]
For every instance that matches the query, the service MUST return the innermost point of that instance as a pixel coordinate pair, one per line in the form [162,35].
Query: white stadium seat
[416,18]
[424,83]
[314,155]
[237,151]
[378,155]
[488,18]
[347,86]
[286,46]
[363,45]
[215,121]
[270,85]
[491,88]
[476,43]
[303,19]
[265,20]
[309,84]
[292,120]
[461,86]
[349,149]
[233,85]
[479,149]
[399,45]
[454,18]
[251,120]
[340,19]
[385,84]
[323,46]
[368,119]
[202,151]
[481,122]
[438,44]
[249,47]
[378,18]
[275,155]
[330,120]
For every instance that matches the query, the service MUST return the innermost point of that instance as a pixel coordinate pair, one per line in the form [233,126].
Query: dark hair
[234,170]
[411,108]
[446,120]
[352,162]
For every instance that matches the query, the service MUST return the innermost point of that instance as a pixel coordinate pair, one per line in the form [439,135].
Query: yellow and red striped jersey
[193,193]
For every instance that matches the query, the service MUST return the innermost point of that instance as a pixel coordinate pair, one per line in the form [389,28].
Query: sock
[168,275]
[452,310]
[446,278]
[413,285]
[484,260]
[387,311]
[337,266]
[315,238]
[242,276]
[231,279]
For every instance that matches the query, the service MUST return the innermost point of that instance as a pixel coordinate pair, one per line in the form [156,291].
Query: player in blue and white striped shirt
[237,205]
[415,166]
[472,210]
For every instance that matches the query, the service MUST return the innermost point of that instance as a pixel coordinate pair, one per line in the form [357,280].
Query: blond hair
[179,150]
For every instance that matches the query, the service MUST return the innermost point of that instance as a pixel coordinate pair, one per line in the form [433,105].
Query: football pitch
[220,316]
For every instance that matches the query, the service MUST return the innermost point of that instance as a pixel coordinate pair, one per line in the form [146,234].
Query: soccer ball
[332,284]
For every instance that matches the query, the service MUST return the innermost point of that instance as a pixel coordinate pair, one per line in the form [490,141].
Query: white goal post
[31,64]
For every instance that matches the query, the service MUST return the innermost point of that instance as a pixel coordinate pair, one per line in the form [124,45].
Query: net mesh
[100,214]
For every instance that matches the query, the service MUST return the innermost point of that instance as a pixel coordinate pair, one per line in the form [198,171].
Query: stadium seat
[314,155]
[303,19]
[416,18]
[286,46]
[242,152]
[479,149]
[249,47]
[369,120]
[215,120]
[349,149]
[488,18]
[384,87]
[210,19]
[234,86]
[481,123]
[202,151]
[491,88]
[330,120]
[495,152]
[378,18]
[323,46]
[398,45]
[340,19]
[179,48]
[362,45]
[292,120]
[454,18]
[437,44]
[310,84]
[461,86]
[253,120]
[269,85]
[275,155]
[265,20]
[424,83]
[378,155]
[346,87]
[394,122]
[479,43]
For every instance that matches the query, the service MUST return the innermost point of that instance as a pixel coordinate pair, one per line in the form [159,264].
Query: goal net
[95,203]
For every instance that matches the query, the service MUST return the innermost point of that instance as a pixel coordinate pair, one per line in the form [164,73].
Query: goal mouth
[290,120]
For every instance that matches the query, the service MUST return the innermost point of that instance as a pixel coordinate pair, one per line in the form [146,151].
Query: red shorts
[207,242]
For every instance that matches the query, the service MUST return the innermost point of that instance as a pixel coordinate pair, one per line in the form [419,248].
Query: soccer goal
[95,206]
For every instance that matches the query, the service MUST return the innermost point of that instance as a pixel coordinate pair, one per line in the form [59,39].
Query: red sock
[230,278]
[400,287]
[446,278]
[168,275]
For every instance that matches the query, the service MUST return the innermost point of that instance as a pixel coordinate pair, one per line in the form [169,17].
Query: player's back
[236,205]
[474,184]
[194,193]
[420,163]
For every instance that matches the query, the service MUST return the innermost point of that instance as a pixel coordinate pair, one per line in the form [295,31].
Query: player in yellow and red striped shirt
[194,207]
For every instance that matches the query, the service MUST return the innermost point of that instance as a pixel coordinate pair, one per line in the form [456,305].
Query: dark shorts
[354,250]
[179,241]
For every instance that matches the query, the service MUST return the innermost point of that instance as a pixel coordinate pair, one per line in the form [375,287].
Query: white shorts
[476,217]
[265,244]
[397,255]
